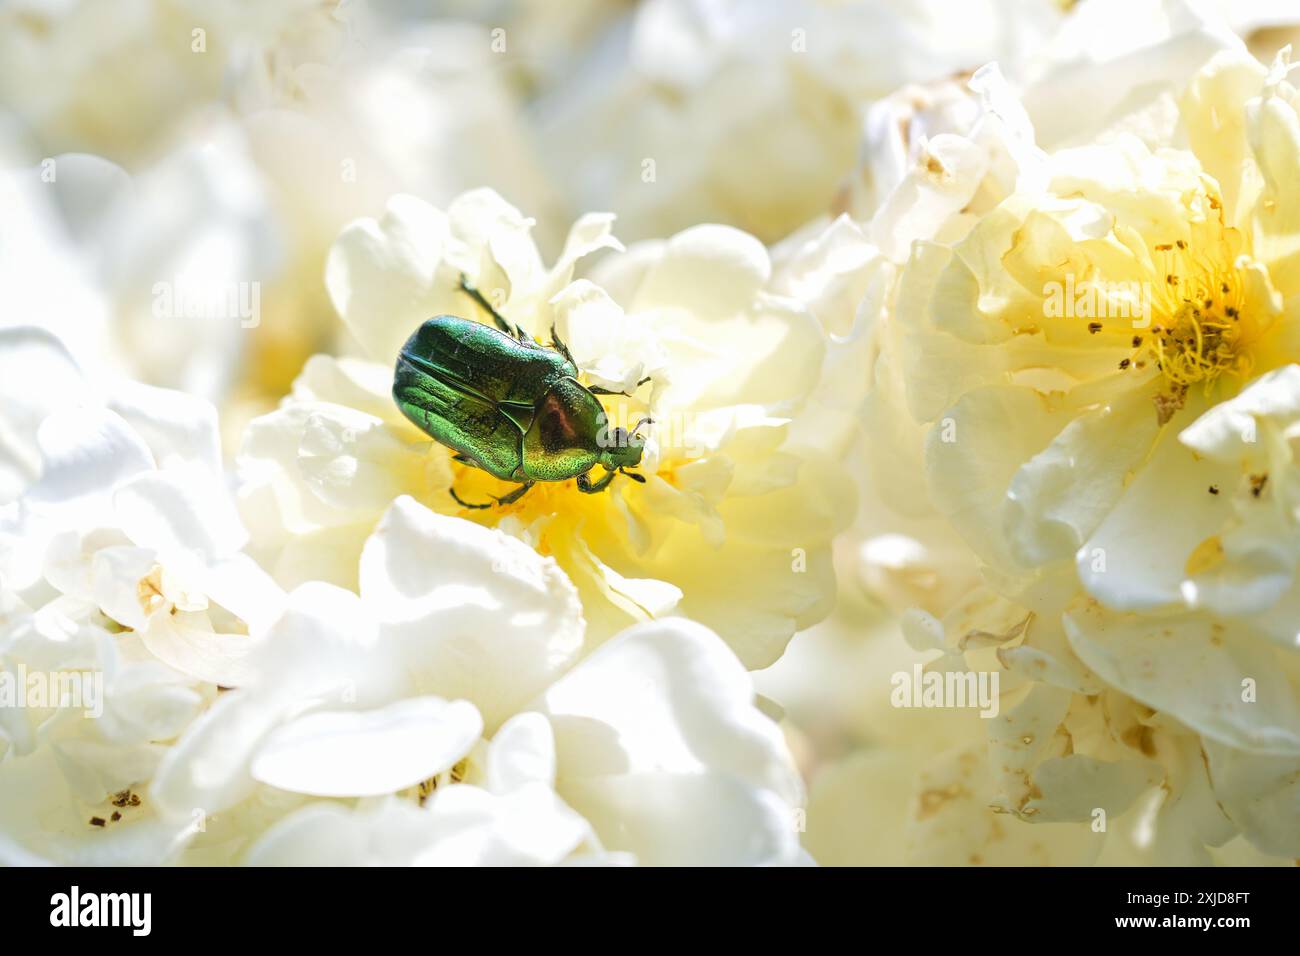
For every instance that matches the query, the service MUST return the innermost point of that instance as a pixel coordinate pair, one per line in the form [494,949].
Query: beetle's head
[625,448]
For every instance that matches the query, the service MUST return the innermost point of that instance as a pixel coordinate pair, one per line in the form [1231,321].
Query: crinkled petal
[1261,794]
[1215,677]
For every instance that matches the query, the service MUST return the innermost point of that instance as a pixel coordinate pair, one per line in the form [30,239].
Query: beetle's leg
[561,347]
[477,296]
[588,487]
[465,504]
[516,494]
[597,390]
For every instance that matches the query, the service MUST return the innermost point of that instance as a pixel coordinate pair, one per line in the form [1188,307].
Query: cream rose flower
[937,157]
[931,183]
[914,785]
[1115,456]
[732,526]
[449,717]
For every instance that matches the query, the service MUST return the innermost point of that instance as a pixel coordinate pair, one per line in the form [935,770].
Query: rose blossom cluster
[968,335]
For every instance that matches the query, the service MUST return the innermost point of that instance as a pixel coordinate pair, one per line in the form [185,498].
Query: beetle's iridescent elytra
[507,405]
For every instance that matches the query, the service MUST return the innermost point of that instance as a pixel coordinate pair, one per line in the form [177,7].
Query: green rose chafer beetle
[509,406]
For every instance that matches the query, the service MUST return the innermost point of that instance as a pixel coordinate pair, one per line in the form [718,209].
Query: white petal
[1057,498]
[181,512]
[188,643]
[712,271]
[1137,558]
[380,274]
[321,652]
[327,834]
[523,751]
[179,429]
[1260,794]
[355,463]
[972,458]
[614,349]
[665,697]
[207,769]
[1194,668]
[1229,431]
[934,190]
[366,753]
[37,376]
[481,615]
[529,825]
[86,452]
[695,819]
[1073,787]
[241,587]
[116,575]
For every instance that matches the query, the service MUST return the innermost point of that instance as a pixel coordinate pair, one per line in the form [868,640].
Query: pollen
[1203,331]
[1198,346]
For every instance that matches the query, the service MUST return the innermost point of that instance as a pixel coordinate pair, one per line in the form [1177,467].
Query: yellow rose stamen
[1203,328]
[1203,333]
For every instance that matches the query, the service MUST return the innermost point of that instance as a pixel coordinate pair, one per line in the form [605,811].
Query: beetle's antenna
[644,421]
[639,479]
[477,296]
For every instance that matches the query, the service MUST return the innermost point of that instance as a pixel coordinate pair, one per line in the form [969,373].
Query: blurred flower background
[812,240]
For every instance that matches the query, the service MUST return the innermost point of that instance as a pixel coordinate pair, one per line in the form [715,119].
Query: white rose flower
[128,513]
[936,158]
[699,109]
[124,602]
[93,713]
[736,510]
[933,187]
[1132,76]
[449,717]
[1125,480]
